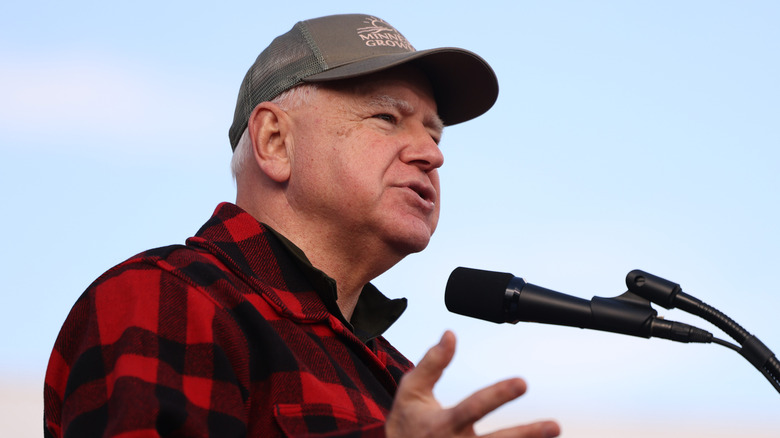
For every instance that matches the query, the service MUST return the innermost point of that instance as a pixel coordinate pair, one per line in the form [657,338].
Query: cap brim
[464,85]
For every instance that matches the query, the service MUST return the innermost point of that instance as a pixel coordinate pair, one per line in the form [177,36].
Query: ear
[269,129]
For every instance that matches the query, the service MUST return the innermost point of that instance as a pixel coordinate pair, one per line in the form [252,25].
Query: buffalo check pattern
[220,337]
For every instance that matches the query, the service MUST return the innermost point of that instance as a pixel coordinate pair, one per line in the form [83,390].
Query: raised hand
[417,413]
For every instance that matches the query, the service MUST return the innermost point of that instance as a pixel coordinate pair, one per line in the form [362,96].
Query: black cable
[752,349]
[668,294]
[725,344]
[766,371]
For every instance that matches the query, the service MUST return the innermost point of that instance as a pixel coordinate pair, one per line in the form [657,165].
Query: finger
[484,401]
[541,429]
[432,365]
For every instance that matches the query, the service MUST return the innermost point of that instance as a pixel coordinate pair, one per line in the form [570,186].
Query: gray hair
[287,100]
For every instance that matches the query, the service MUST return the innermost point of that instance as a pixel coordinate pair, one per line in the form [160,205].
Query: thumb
[432,365]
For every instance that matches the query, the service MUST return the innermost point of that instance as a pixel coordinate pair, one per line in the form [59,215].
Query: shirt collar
[245,245]
[374,313]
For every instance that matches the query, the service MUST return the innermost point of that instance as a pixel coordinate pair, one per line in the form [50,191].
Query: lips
[425,191]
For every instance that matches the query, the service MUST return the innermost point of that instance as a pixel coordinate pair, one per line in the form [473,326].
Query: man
[265,323]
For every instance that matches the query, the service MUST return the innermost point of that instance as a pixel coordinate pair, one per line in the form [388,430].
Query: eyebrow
[433,121]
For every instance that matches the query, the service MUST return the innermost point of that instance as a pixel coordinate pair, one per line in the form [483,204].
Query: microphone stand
[669,295]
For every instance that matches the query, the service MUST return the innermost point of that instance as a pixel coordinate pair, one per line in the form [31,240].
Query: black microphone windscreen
[478,294]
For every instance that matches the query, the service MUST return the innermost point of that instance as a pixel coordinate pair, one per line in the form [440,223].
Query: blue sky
[626,135]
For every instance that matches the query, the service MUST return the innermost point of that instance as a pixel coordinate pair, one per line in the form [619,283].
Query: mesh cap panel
[290,58]
[339,47]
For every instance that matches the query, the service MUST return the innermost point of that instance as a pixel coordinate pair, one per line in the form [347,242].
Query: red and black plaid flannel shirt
[225,336]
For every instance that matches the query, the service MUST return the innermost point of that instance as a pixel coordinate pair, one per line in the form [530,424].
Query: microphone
[501,297]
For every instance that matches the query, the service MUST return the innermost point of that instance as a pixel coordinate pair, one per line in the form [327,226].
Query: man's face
[365,160]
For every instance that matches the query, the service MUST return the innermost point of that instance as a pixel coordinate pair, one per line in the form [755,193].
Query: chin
[407,248]
[408,233]
[411,239]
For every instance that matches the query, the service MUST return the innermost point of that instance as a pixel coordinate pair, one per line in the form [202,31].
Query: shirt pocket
[324,420]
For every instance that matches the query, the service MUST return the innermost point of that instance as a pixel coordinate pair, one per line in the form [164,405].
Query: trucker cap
[340,47]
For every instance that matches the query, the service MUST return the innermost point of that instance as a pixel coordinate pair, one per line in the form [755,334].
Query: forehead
[403,88]
[403,83]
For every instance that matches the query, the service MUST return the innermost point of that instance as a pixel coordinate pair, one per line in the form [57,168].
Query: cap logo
[379,33]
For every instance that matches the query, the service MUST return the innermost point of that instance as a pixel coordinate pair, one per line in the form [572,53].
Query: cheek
[367,161]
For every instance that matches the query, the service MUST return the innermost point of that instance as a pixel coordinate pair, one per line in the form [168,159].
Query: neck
[352,264]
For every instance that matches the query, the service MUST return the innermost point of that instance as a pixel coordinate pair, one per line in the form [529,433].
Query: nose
[422,151]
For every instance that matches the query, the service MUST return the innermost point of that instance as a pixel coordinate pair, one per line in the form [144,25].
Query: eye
[386,117]
[435,136]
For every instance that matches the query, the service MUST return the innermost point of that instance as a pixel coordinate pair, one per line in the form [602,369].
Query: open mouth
[427,193]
